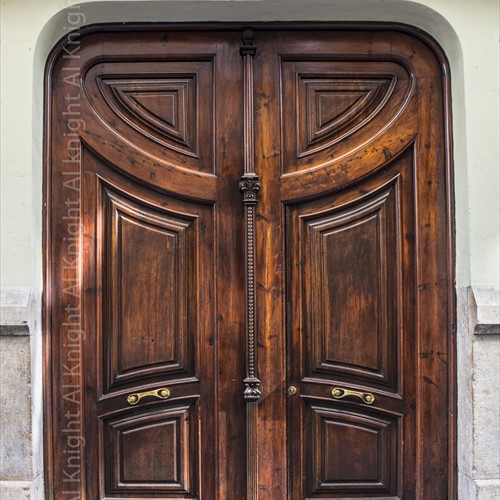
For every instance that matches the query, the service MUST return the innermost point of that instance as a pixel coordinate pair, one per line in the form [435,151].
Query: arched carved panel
[166,108]
[351,249]
[332,108]
[162,108]
[329,107]
[351,334]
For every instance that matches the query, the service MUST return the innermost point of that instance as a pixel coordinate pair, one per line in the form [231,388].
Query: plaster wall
[467,31]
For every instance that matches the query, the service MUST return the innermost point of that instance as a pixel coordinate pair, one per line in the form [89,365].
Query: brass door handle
[366,397]
[162,393]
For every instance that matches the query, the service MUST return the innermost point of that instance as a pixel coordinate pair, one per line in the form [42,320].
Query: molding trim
[485,310]
[15,311]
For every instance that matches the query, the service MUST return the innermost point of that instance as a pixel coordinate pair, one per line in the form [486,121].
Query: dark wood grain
[352,325]
[346,281]
[158,277]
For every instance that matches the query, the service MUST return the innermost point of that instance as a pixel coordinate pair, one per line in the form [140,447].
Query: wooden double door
[248,266]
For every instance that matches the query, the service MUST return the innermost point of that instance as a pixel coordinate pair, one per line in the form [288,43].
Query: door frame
[65,44]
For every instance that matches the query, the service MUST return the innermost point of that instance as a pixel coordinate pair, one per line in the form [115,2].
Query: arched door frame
[444,42]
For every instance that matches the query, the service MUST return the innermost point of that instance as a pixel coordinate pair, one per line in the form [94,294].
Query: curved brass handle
[162,393]
[366,397]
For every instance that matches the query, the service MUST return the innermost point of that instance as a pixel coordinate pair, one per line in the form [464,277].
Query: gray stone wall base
[15,490]
[488,489]
[15,409]
[486,362]
[21,462]
[485,325]
[466,485]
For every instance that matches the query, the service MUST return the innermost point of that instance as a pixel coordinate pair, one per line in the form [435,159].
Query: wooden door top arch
[341,124]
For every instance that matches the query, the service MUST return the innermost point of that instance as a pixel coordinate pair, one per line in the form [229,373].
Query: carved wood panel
[352,454]
[152,453]
[352,265]
[330,108]
[165,108]
[151,264]
[356,334]
[164,269]
[133,164]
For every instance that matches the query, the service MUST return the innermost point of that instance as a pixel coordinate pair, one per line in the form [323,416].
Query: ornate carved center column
[250,186]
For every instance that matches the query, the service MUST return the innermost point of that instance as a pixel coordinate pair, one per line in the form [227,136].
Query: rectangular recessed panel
[149,306]
[350,453]
[159,463]
[149,289]
[350,278]
[351,293]
[152,453]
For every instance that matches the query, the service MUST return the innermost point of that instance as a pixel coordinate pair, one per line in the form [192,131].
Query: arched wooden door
[248,281]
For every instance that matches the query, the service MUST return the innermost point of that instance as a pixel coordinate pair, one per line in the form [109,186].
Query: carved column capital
[252,389]
[248,48]
[250,186]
